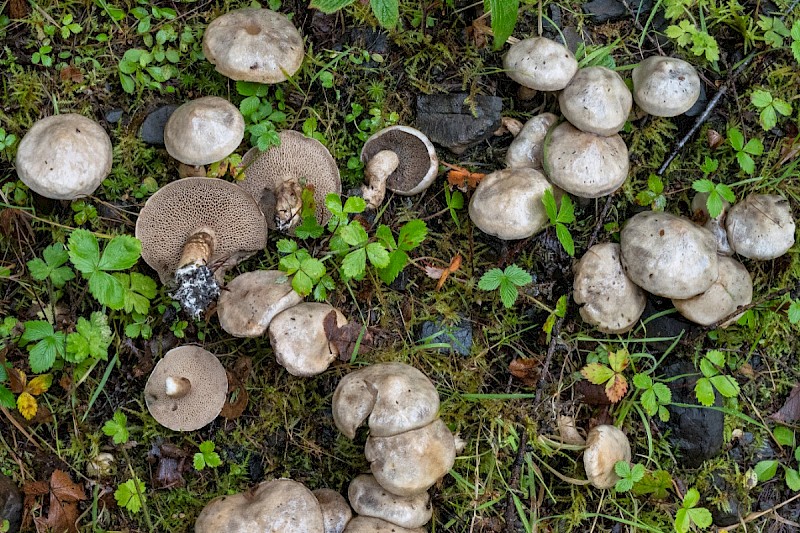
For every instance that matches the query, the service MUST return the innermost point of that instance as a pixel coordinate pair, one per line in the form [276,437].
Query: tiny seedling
[117,428]
[655,396]
[90,339]
[690,514]
[455,202]
[259,114]
[653,195]
[712,365]
[7,140]
[52,266]
[794,311]
[716,191]
[386,11]
[616,385]
[560,217]
[206,457]
[769,107]
[629,475]
[700,43]
[744,152]
[507,281]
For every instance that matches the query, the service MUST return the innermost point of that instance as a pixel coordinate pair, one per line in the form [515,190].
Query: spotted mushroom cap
[204,131]
[254,44]
[417,157]
[540,63]
[761,226]
[336,512]
[605,446]
[367,524]
[526,148]
[732,289]
[208,389]
[297,335]
[368,498]
[64,157]
[665,86]
[251,300]
[184,206]
[596,101]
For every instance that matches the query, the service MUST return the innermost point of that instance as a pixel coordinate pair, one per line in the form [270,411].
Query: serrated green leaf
[796,48]
[623,485]
[377,255]
[565,238]
[39,269]
[642,381]
[334,204]
[121,253]
[784,436]
[726,192]
[550,205]
[736,139]
[746,162]
[384,235]
[117,428]
[249,105]
[84,251]
[619,360]
[622,468]
[703,185]
[682,522]
[637,472]
[398,259]
[704,392]
[36,330]
[329,6]
[691,498]
[654,483]
[313,268]
[286,246]
[302,284]
[508,293]
[726,385]
[649,402]
[411,235]
[700,516]
[354,263]
[129,497]
[716,358]
[663,413]
[754,146]
[353,234]
[355,204]
[794,312]
[782,106]
[43,354]
[199,462]
[768,118]
[517,276]
[655,184]
[491,279]
[566,213]
[597,373]
[714,204]
[7,398]
[107,290]
[792,479]
[504,15]
[663,393]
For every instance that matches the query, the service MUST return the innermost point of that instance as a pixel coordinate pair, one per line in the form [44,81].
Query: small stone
[458,336]
[113,116]
[10,504]
[152,130]
[607,10]
[448,120]
[700,105]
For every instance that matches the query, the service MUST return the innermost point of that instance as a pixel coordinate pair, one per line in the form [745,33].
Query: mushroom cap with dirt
[526,148]
[277,506]
[367,524]
[336,512]
[761,226]
[585,164]
[540,63]
[64,157]
[665,86]
[255,45]
[276,178]
[204,131]
[187,389]
[608,298]
[508,203]
[368,498]
[668,255]
[596,101]
[732,289]
[605,446]
[251,300]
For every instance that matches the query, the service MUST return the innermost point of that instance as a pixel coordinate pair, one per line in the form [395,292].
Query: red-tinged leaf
[790,411]
[16,380]
[597,373]
[455,264]
[616,388]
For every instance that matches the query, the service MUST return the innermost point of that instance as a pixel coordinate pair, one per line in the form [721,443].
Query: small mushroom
[366,524]
[336,512]
[732,289]
[596,101]
[761,226]
[251,300]
[187,389]
[526,148]
[540,63]
[605,447]
[254,45]
[64,157]
[101,465]
[368,498]
[203,131]
[665,86]
[716,225]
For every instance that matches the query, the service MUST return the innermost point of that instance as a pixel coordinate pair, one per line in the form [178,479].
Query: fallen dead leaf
[462,178]
[526,370]
[345,338]
[64,498]
[237,399]
[442,273]
[616,388]
[790,150]
[591,394]
[790,411]
[63,488]
[72,73]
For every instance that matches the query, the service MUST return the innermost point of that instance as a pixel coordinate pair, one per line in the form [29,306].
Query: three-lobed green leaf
[130,495]
[51,266]
[117,428]
[49,344]
[206,457]
[507,281]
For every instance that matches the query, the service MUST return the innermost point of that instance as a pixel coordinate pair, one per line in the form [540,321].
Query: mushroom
[336,512]
[299,341]
[251,300]
[368,498]
[277,506]
[540,63]
[761,226]
[64,157]
[596,101]
[508,203]
[716,225]
[203,131]
[193,223]
[187,389]
[526,148]
[585,164]
[608,297]
[605,447]
[101,465]
[668,255]
[366,524]
[665,86]
[732,289]
[254,45]
[277,176]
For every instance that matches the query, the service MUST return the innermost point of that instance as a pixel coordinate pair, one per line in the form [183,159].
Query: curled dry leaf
[171,463]
[526,370]
[591,394]
[346,337]
[442,273]
[64,498]
[462,178]
[790,411]
[714,139]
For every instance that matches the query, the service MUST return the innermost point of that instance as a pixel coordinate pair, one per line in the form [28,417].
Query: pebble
[152,130]
[458,336]
[448,120]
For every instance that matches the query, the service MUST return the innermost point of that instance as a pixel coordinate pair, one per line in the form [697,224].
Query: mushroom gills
[195,285]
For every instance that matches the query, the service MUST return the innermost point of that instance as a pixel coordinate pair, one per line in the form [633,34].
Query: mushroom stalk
[198,250]
[196,285]
[377,172]
[177,386]
[288,205]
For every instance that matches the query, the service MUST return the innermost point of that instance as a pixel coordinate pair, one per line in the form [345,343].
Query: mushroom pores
[605,446]
[596,101]
[540,63]
[418,163]
[665,86]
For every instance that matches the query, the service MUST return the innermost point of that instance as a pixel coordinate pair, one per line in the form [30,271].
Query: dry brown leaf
[63,488]
[527,370]
[236,402]
[479,32]
[71,72]
[344,338]
[591,394]
[62,516]
[790,150]
[35,488]
[16,380]
[790,411]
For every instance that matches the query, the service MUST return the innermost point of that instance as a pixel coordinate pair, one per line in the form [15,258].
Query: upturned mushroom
[596,101]
[665,86]
[336,512]
[64,157]
[366,524]
[540,63]
[761,227]
[251,300]
[203,131]
[187,389]
[732,289]
[526,148]
[605,447]
[369,498]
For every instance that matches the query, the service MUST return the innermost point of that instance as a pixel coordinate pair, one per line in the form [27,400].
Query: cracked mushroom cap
[605,446]
[508,203]
[254,44]
[251,300]
[596,101]
[732,289]
[665,86]
[336,512]
[368,498]
[526,148]
[366,524]
[396,397]
[187,389]
[181,208]
[585,164]
[277,506]
[540,63]
[64,157]
[204,131]
[761,226]
[668,255]
[608,297]
[298,338]
[418,163]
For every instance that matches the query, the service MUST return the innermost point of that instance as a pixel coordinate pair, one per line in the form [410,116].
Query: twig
[551,348]
[514,482]
[739,310]
[756,516]
[600,221]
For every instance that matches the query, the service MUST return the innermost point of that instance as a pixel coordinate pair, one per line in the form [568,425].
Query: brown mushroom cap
[251,300]
[585,164]
[596,101]
[418,163]
[298,338]
[64,157]
[540,63]
[368,498]
[204,131]
[732,289]
[761,226]
[605,446]
[665,86]
[336,512]
[277,506]
[254,45]
[608,297]
[668,255]
[366,524]
[526,148]
[181,208]
[396,397]
[202,400]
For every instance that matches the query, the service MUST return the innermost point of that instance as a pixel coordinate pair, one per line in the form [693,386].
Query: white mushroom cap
[508,203]
[277,506]
[540,63]
[336,512]
[665,86]
[611,301]
[368,498]
[251,300]
[761,226]
[298,338]
[526,148]
[585,164]
[366,524]
[64,157]
[605,446]
[596,100]
[254,45]
[204,131]
[418,164]
[668,255]
[733,288]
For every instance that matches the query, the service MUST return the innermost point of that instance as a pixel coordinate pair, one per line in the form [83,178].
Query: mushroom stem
[191,171]
[177,386]
[288,205]
[378,170]
[197,250]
